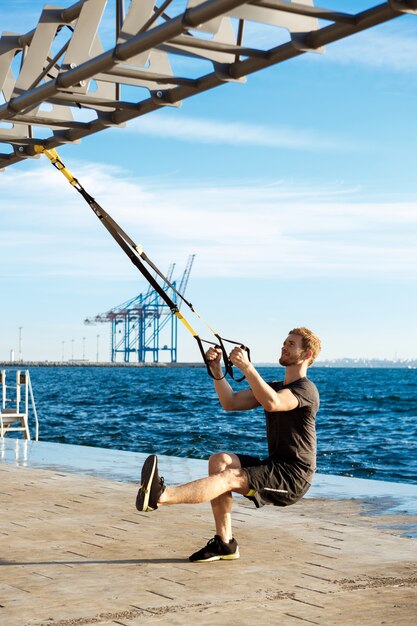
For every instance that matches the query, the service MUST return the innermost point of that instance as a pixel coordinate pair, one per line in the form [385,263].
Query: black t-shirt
[291,434]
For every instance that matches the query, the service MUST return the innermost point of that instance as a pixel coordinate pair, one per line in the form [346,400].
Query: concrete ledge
[75,552]
[378,496]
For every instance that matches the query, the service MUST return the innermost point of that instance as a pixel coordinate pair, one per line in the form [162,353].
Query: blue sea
[366,426]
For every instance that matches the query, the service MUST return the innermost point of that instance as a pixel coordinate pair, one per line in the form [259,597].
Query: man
[283,477]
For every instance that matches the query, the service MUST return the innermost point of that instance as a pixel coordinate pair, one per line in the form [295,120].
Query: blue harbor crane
[144,324]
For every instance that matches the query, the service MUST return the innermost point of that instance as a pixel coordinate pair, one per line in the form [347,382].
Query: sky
[296,191]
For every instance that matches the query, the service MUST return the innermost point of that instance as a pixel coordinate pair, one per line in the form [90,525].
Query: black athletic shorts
[273,482]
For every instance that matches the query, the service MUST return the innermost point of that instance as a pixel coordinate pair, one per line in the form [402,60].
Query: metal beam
[64,66]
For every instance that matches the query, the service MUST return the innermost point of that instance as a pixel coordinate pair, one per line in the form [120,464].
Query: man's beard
[288,360]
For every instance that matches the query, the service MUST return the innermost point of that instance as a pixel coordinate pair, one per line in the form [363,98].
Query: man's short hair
[310,341]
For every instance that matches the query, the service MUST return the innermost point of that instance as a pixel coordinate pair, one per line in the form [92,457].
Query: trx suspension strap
[138,257]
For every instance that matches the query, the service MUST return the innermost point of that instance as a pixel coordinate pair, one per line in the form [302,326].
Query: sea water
[366,426]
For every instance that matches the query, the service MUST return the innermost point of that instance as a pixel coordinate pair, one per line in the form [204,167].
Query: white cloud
[237,231]
[391,47]
[200,130]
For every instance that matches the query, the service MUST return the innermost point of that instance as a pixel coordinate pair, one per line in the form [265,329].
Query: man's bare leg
[206,489]
[153,493]
[222,505]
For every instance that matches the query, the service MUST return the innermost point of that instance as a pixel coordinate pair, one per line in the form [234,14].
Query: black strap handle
[227,362]
[228,365]
[203,354]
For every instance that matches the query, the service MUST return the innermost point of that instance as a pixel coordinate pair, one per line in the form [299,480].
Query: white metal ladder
[14,413]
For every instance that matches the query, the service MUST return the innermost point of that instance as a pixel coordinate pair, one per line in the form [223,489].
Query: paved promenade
[75,552]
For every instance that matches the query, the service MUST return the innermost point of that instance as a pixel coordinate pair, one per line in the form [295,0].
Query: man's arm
[229,399]
[267,397]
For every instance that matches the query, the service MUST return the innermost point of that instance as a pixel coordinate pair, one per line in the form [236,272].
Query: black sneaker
[152,486]
[216,550]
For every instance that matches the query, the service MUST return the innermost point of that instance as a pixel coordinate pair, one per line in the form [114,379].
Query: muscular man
[283,477]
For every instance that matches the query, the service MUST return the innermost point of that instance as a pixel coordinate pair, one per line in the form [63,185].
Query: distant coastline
[347,362]
[75,363]
[374,363]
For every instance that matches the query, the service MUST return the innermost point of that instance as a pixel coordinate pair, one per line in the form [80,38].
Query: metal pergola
[59,84]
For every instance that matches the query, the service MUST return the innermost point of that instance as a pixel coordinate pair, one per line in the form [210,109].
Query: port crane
[143,327]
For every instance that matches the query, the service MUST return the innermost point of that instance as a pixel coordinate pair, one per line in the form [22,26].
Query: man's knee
[237,480]
[222,460]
